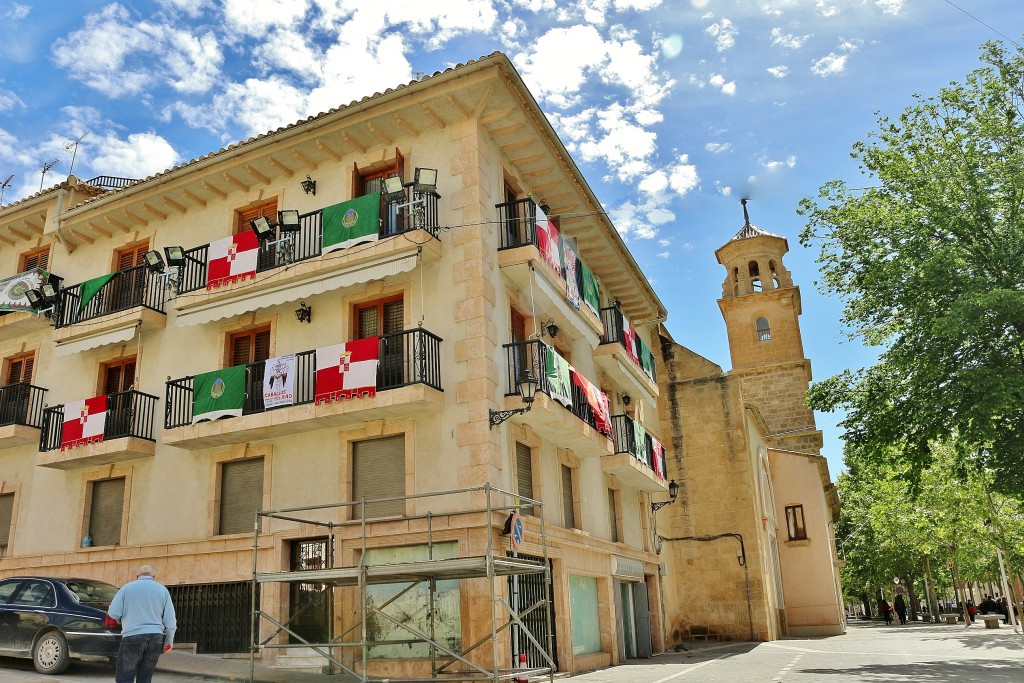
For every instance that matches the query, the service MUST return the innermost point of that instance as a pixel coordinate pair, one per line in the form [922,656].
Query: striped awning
[95,341]
[281,294]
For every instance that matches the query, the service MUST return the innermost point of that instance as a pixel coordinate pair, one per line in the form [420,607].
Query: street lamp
[525,387]
[673,493]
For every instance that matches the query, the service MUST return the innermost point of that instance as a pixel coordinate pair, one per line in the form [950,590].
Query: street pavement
[869,652]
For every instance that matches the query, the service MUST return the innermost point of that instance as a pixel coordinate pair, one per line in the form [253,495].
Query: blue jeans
[136,658]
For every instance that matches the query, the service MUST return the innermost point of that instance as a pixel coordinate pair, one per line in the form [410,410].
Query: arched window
[735,280]
[755,270]
[775,273]
[764,330]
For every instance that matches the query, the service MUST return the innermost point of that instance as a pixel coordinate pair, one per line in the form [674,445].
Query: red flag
[547,241]
[597,399]
[347,370]
[83,422]
[232,258]
[658,455]
[629,340]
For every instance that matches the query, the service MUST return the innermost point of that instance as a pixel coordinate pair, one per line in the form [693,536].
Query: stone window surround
[99,474]
[373,429]
[7,487]
[241,451]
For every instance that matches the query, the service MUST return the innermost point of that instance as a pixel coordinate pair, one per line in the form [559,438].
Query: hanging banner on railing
[279,381]
[12,289]
[597,399]
[639,442]
[220,393]
[658,457]
[646,358]
[547,241]
[232,259]
[591,290]
[572,286]
[88,290]
[629,340]
[350,223]
[83,422]
[559,382]
[347,370]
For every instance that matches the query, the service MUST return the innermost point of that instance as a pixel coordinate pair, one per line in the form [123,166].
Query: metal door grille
[214,616]
[532,588]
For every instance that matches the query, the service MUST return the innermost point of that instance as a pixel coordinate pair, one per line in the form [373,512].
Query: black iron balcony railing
[108,182]
[22,404]
[518,223]
[129,288]
[624,429]
[531,356]
[129,414]
[409,357]
[306,243]
[615,333]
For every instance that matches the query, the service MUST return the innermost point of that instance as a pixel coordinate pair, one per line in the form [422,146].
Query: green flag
[646,358]
[591,290]
[220,393]
[557,370]
[90,288]
[639,442]
[350,223]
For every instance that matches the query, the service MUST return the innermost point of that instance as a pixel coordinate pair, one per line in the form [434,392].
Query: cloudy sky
[673,109]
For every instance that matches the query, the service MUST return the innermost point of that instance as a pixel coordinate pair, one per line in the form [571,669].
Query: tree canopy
[929,261]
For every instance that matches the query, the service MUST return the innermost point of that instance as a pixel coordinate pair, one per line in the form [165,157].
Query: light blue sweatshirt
[144,606]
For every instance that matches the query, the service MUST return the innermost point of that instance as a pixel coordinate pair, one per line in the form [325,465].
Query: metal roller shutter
[6,520]
[524,475]
[378,471]
[568,513]
[105,511]
[241,495]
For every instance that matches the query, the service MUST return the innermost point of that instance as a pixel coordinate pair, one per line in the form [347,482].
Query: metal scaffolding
[347,522]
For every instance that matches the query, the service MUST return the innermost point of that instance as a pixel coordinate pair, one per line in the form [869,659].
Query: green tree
[928,261]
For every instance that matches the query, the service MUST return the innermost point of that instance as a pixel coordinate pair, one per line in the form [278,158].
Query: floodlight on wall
[673,493]
[288,220]
[393,188]
[263,228]
[44,300]
[425,180]
[526,387]
[175,256]
[304,314]
[308,185]
[154,261]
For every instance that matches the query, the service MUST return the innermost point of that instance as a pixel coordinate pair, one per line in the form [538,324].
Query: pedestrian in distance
[148,622]
[886,610]
[901,608]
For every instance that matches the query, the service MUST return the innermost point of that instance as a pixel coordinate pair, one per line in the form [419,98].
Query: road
[872,653]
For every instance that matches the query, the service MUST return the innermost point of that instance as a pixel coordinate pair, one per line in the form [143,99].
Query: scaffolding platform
[439,570]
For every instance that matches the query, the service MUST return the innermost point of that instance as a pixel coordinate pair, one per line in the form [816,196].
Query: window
[267,209]
[241,495]
[40,258]
[764,330]
[250,346]
[129,287]
[6,523]
[795,522]
[35,593]
[568,509]
[7,589]
[19,369]
[613,515]
[370,180]
[376,318]
[15,395]
[378,471]
[118,375]
[524,475]
[106,510]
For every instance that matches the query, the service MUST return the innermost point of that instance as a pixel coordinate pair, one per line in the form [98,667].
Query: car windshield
[91,592]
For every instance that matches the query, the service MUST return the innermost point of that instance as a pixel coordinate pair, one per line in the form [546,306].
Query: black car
[52,620]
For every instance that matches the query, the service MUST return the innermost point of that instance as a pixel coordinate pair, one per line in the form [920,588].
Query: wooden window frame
[138,250]
[121,363]
[615,515]
[267,208]
[574,490]
[379,304]
[8,366]
[377,170]
[5,548]
[44,252]
[796,523]
[229,351]
[763,334]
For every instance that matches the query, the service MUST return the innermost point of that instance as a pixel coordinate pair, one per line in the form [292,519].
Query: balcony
[127,434]
[520,260]
[408,384]
[573,427]
[633,462]
[613,358]
[307,273]
[133,298]
[21,414]
[17,318]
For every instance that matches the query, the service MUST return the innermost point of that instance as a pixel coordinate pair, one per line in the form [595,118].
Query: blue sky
[673,109]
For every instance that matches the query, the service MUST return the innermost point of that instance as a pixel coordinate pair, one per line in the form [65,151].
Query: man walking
[148,623]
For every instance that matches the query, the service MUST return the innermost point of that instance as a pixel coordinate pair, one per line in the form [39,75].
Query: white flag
[279,381]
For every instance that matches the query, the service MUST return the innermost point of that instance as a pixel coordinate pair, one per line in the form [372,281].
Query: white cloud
[663,242]
[719,82]
[890,6]
[15,12]
[683,176]
[829,65]
[639,5]
[827,10]
[664,254]
[141,155]
[723,190]
[778,71]
[354,68]
[257,17]
[718,147]
[192,8]
[788,40]
[788,162]
[724,32]
[621,143]
[196,62]
[535,5]
[258,105]
[9,101]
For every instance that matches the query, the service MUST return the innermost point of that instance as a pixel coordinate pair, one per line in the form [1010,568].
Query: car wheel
[50,654]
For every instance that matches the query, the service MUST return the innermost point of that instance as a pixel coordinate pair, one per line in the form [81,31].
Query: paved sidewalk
[210,667]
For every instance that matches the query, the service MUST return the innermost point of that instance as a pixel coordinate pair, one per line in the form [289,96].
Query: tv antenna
[73,145]
[48,166]
[4,186]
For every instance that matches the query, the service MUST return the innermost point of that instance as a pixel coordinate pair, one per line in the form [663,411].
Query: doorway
[309,603]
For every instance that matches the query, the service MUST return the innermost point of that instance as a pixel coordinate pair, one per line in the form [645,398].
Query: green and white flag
[88,290]
[12,289]
[591,290]
[639,442]
[350,223]
[559,381]
[220,393]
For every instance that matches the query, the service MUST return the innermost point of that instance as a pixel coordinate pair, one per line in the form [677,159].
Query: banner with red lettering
[347,370]
[232,259]
[83,422]
[597,399]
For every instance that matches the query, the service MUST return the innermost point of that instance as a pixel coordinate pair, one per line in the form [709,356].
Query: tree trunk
[912,597]
[933,602]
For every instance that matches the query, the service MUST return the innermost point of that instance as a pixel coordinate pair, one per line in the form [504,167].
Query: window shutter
[241,495]
[240,349]
[378,471]
[6,521]
[28,365]
[39,259]
[568,513]
[367,322]
[394,317]
[112,382]
[357,181]
[524,475]
[399,164]
[613,516]
[106,511]
[518,326]
[261,346]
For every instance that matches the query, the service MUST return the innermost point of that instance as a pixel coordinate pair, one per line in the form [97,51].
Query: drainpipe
[61,193]
[742,560]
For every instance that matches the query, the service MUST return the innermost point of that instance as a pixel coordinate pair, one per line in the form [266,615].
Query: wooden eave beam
[8,241]
[212,189]
[98,230]
[153,211]
[79,236]
[280,167]
[236,182]
[484,101]
[37,229]
[18,234]
[527,160]
[309,163]
[409,128]
[194,197]
[454,104]
[323,147]
[353,143]
[555,198]
[255,173]
[379,134]
[173,204]
[117,224]
[543,171]
[496,116]
[518,144]
[134,218]
[432,115]
[506,130]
